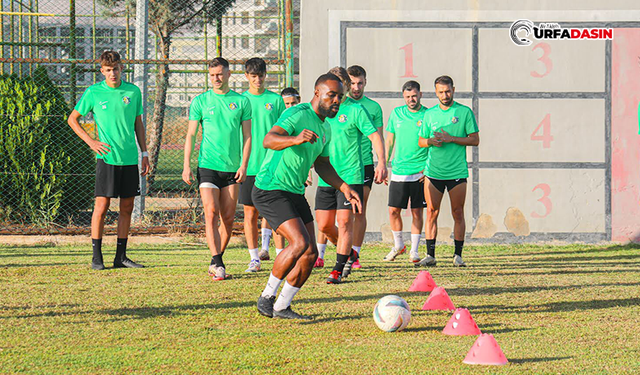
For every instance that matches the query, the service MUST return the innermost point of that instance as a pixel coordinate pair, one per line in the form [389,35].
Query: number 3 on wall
[546,202]
[548,64]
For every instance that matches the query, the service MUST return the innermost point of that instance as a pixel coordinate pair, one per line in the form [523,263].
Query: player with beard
[447,131]
[300,138]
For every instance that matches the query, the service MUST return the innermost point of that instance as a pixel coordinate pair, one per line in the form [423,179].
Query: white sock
[266,237]
[321,249]
[397,239]
[286,296]
[272,286]
[278,251]
[356,248]
[254,254]
[415,243]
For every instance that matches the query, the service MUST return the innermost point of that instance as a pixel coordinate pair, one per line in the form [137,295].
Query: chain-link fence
[48,57]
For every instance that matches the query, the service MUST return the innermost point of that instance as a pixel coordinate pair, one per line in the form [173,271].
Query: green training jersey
[375,112]
[221,119]
[114,111]
[409,158]
[448,162]
[288,169]
[265,111]
[347,130]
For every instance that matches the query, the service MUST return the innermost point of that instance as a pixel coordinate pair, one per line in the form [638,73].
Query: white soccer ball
[392,313]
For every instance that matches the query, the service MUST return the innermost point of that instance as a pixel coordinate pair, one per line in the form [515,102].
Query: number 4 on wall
[546,137]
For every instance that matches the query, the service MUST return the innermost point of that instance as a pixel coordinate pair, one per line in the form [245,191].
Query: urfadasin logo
[553,31]
[521,25]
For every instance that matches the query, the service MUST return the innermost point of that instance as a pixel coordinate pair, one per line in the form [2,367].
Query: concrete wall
[581,185]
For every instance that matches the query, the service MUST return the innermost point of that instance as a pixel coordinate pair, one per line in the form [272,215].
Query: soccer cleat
[254,266]
[427,261]
[357,265]
[126,263]
[264,255]
[349,265]
[218,273]
[458,262]
[414,257]
[319,263]
[394,253]
[97,266]
[289,314]
[265,305]
[335,277]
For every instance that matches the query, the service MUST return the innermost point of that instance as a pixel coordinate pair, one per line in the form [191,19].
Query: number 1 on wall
[408,61]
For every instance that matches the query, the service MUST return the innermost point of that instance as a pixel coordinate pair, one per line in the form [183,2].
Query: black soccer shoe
[126,263]
[349,265]
[289,314]
[97,266]
[265,305]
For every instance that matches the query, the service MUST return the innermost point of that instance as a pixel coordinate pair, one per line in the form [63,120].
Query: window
[245,41]
[234,42]
[257,2]
[226,43]
[258,22]
[233,18]
[245,18]
[261,45]
[104,35]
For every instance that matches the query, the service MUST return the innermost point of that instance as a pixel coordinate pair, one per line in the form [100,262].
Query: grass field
[560,309]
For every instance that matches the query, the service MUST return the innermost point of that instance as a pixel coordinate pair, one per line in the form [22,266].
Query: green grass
[561,309]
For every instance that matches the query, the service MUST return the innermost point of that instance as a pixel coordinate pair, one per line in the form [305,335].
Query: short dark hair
[255,66]
[341,73]
[218,61]
[290,91]
[443,80]
[411,85]
[357,71]
[327,77]
[110,58]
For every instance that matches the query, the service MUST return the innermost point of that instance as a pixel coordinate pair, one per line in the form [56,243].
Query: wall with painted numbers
[558,156]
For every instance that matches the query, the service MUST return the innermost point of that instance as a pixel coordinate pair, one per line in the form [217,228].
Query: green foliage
[46,169]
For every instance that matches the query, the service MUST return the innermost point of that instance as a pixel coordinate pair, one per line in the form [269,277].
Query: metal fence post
[139,79]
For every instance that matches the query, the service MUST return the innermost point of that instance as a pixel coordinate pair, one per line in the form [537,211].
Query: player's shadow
[423,329]
[528,289]
[560,272]
[494,328]
[150,312]
[522,252]
[18,265]
[559,306]
[318,319]
[537,359]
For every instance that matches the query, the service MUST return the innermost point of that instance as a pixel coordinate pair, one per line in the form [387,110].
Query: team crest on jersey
[126,100]
[419,123]
[233,106]
[268,106]
[454,120]
[342,118]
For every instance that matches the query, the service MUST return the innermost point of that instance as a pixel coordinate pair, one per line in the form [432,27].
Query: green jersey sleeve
[288,120]
[85,105]
[470,125]
[195,110]
[392,122]
[280,106]
[325,150]
[425,129]
[376,116]
[140,108]
[363,121]
[246,109]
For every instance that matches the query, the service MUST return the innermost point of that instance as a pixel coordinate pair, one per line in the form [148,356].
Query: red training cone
[461,324]
[485,351]
[438,300]
[423,283]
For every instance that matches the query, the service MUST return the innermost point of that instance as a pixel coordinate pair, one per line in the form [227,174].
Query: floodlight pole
[140,72]
[288,43]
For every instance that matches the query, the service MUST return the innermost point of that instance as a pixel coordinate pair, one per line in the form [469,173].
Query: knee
[101,208]
[299,246]
[432,212]
[325,227]
[250,214]
[210,212]
[416,215]
[394,212]
[458,213]
[126,208]
[227,217]
[345,222]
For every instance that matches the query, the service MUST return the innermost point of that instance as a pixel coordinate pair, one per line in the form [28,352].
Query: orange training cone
[423,283]
[485,351]
[438,300]
[461,324]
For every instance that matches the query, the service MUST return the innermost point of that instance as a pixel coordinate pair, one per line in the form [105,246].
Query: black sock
[217,260]
[458,245]
[354,255]
[431,247]
[341,260]
[121,249]
[97,250]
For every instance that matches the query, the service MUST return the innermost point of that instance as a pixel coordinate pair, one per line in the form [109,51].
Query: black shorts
[278,206]
[117,181]
[369,173]
[328,198]
[400,192]
[441,185]
[220,179]
[245,191]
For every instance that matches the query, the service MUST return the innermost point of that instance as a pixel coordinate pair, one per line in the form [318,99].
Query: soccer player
[358,83]
[290,96]
[225,118]
[347,129]
[266,108]
[448,129]
[407,179]
[117,110]
[299,139]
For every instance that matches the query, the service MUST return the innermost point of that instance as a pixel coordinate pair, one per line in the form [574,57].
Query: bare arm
[472,139]
[325,170]
[429,142]
[391,141]
[187,176]
[241,174]
[278,138]
[142,142]
[381,168]
[97,146]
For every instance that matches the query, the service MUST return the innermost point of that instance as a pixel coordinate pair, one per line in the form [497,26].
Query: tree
[166,18]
